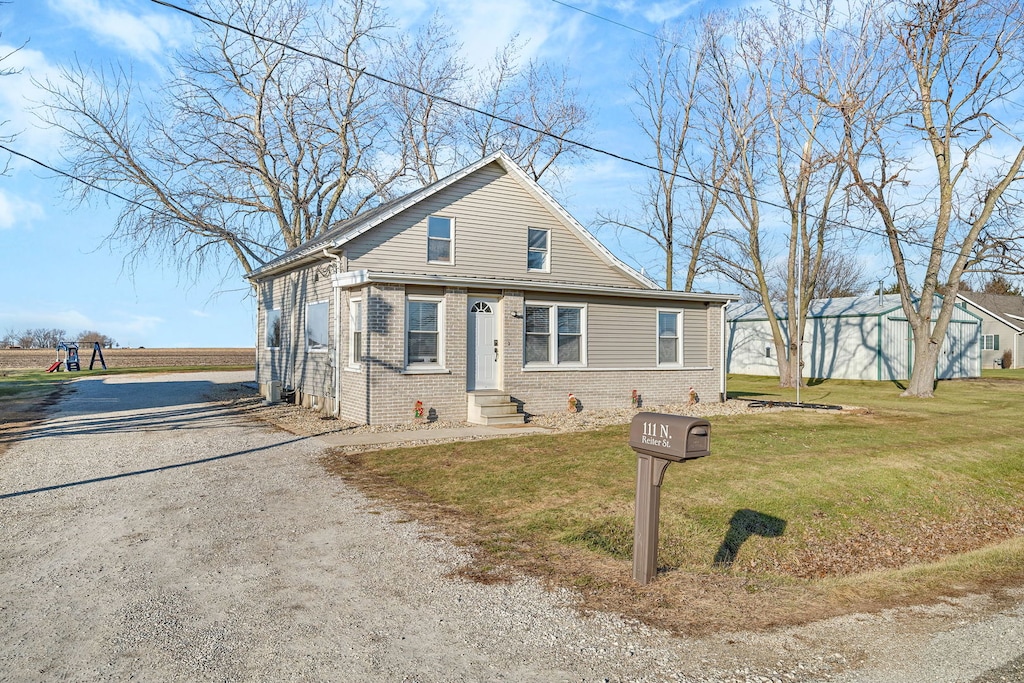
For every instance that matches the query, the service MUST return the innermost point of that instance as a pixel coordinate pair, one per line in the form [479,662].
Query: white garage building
[865,337]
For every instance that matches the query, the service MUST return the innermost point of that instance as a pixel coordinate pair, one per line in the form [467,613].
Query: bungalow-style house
[477,298]
[865,337]
[1002,324]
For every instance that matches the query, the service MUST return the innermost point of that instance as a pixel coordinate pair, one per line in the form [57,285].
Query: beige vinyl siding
[291,364]
[492,213]
[621,335]
[695,335]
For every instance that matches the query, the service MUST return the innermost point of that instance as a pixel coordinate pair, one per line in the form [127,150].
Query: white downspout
[259,306]
[722,389]
[337,335]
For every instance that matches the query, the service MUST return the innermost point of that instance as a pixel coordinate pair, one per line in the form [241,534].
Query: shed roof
[823,308]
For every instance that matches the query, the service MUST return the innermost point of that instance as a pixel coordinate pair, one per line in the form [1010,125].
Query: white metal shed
[865,337]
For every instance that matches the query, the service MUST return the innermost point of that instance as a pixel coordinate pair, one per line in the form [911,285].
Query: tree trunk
[926,356]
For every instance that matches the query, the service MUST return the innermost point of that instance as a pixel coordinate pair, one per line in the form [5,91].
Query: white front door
[483,353]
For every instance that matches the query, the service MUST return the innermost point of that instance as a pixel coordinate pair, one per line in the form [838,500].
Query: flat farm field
[40,359]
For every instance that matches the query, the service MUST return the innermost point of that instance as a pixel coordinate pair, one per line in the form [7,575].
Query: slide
[56,364]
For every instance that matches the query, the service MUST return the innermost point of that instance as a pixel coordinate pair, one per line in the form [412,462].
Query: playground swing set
[70,362]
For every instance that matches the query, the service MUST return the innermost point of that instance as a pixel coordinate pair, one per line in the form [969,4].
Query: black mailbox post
[659,440]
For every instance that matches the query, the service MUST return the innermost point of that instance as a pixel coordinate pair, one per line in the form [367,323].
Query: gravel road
[148,534]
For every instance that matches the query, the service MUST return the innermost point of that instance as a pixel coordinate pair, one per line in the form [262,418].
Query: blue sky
[56,270]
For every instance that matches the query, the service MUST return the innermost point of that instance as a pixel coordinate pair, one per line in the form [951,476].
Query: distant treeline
[42,338]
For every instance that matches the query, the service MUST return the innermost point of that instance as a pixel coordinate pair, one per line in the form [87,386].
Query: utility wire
[87,183]
[481,112]
[454,103]
[658,38]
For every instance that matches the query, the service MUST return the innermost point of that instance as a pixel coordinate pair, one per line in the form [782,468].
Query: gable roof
[1006,308]
[335,238]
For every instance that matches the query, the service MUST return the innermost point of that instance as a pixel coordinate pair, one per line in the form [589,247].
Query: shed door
[483,352]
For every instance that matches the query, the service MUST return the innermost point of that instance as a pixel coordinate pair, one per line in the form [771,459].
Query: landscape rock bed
[307,422]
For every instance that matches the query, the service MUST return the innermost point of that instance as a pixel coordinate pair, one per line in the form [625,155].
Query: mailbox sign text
[673,437]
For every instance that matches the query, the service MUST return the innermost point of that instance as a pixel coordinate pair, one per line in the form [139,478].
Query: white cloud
[15,212]
[660,12]
[145,35]
[200,314]
[18,95]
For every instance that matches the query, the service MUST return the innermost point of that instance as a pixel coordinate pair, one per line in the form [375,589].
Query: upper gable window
[440,239]
[538,250]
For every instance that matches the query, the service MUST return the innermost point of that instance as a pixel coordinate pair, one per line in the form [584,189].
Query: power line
[481,112]
[87,183]
[454,103]
[620,24]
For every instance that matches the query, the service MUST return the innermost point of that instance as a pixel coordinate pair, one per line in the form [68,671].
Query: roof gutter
[360,277]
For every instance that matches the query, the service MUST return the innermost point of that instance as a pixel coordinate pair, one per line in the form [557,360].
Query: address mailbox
[659,440]
[672,437]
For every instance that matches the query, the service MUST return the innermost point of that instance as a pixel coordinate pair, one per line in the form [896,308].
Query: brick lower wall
[547,392]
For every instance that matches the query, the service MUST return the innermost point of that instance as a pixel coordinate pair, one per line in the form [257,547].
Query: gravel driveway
[148,534]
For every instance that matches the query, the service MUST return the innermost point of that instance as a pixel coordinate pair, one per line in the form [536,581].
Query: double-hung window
[990,342]
[670,338]
[424,343]
[355,336]
[555,334]
[538,250]
[316,326]
[440,239]
[273,338]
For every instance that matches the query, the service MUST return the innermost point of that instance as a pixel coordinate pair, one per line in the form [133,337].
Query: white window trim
[552,362]
[547,260]
[355,355]
[988,342]
[305,329]
[266,327]
[425,368]
[680,361]
[451,242]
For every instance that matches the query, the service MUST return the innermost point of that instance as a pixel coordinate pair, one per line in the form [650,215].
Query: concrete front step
[493,407]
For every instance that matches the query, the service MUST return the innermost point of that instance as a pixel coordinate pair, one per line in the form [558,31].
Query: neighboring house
[1002,324]
[477,297]
[865,337]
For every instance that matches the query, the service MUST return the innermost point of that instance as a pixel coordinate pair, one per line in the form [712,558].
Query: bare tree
[7,71]
[840,273]
[538,95]
[92,336]
[789,153]
[252,149]
[679,199]
[429,128]
[935,81]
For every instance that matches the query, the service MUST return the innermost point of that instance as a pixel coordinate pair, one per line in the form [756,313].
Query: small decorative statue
[694,398]
[418,411]
[572,403]
[636,399]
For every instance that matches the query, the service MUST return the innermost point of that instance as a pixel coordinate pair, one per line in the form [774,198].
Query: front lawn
[796,515]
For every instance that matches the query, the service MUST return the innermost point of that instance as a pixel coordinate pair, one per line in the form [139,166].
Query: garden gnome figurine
[572,403]
[694,398]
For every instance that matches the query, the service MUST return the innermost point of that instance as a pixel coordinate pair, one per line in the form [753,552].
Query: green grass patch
[888,501]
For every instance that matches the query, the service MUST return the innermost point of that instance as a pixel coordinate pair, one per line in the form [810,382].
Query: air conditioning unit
[274,392]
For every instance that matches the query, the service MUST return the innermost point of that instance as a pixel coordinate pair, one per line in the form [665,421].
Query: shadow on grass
[744,524]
